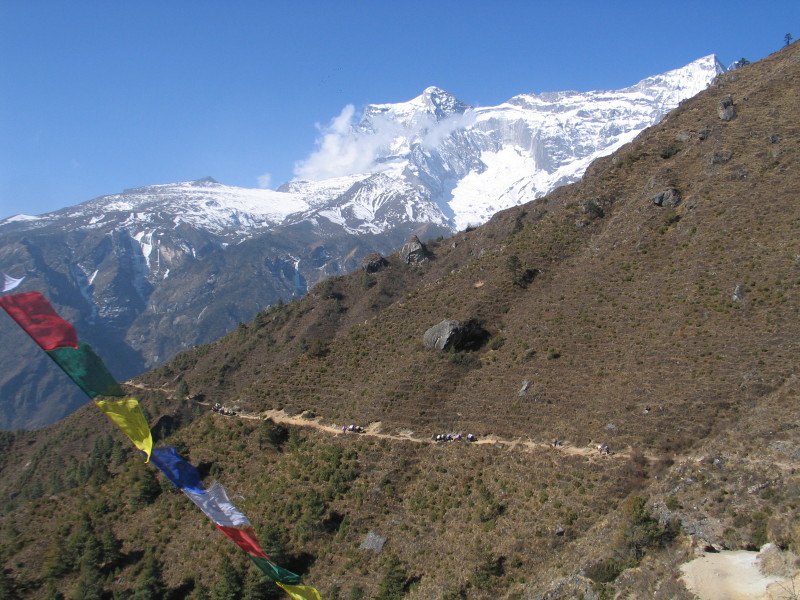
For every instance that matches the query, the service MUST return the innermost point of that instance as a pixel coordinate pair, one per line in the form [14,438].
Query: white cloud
[264,181]
[343,149]
[340,150]
[436,134]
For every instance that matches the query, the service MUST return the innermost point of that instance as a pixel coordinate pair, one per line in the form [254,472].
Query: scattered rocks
[373,542]
[720,157]
[738,293]
[670,197]
[523,391]
[593,210]
[726,110]
[786,448]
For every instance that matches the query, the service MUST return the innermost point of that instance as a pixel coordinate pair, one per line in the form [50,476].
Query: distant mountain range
[155,270]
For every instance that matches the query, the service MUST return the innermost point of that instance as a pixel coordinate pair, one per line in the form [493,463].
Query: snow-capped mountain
[153,270]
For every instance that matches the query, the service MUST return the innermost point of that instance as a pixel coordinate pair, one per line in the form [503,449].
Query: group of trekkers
[218,408]
[353,429]
[453,437]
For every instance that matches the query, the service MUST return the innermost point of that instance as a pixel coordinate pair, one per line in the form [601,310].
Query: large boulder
[414,251]
[453,334]
[373,263]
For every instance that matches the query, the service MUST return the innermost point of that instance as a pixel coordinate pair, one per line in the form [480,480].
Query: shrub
[640,530]
[552,354]
[605,571]
[317,349]
[669,151]
[394,584]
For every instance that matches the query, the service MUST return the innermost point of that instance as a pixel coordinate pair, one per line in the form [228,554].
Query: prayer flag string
[58,338]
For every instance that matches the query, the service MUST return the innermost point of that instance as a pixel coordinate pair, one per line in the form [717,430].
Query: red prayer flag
[245,538]
[39,319]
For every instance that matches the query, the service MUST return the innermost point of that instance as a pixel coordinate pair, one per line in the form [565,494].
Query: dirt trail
[374,430]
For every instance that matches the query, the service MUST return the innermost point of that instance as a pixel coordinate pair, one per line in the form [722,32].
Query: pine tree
[111,547]
[145,488]
[56,560]
[90,583]
[150,583]
[394,584]
[117,456]
[76,542]
[6,586]
[229,581]
[258,587]
[51,591]
[274,541]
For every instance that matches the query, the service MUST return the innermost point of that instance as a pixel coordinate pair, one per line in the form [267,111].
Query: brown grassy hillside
[668,332]
[637,305]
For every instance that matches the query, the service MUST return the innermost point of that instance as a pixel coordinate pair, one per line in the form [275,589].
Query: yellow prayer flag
[128,416]
[301,592]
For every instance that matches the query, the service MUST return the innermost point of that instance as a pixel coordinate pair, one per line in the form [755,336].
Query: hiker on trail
[344,428]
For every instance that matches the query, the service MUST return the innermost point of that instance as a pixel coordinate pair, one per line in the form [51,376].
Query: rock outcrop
[455,335]
[414,251]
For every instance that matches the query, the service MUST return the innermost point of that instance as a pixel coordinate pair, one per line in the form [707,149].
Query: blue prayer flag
[182,474]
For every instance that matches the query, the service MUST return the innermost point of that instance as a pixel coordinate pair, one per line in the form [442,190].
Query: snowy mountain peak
[440,103]
[684,82]
[433,105]
[432,159]
[203,181]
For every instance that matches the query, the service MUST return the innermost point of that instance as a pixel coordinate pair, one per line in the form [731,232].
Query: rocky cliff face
[152,271]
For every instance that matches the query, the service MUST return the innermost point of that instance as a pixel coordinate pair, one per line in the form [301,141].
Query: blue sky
[99,96]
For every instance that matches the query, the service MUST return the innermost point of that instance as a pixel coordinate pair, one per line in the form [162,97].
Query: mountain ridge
[161,268]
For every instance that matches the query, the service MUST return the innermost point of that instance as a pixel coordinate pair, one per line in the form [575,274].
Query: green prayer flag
[86,369]
[274,572]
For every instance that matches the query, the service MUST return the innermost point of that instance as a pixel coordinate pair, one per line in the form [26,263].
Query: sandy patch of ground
[733,575]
